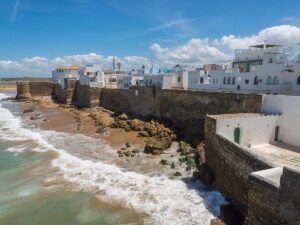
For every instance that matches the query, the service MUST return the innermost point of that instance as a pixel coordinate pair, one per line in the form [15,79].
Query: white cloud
[41,66]
[283,34]
[194,52]
[200,51]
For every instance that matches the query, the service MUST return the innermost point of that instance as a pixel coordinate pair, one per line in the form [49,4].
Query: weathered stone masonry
[262,201]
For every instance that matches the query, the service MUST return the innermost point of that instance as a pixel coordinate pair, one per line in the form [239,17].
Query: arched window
[255,80]
[298,80]
[224,80]
[229,80]
[233,80]
[269,80]
[275,80]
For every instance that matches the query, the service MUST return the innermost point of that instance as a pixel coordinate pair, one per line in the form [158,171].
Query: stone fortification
[26,89]
[264,193]
[185,109]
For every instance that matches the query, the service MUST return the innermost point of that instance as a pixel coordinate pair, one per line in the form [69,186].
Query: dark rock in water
[127,145]
[164,162]
[123,117]
[177,174]
[205,174]
[28,111]
[127,153]
[156,146]
[135,151]
[36,116]
[172,165]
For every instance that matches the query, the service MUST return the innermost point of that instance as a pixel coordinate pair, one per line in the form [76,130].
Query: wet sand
[62,118]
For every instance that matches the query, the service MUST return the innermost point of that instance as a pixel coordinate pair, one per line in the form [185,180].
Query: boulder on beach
[28,110]
[123,117]
[157,146]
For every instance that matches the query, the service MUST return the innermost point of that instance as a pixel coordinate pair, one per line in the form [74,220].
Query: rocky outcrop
[157,146]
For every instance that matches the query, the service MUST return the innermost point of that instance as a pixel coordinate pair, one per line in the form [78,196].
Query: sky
[38,35]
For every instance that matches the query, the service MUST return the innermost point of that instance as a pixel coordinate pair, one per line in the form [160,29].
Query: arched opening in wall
[229,80]
[224,80]
[255,80]
[237,135]
[298,80]
[233,80]
[269,80]
[275,80]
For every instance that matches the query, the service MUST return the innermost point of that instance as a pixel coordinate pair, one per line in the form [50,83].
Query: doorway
[276,133]
[237,135]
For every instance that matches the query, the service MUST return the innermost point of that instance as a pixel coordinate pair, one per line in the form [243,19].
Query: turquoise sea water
[51,178]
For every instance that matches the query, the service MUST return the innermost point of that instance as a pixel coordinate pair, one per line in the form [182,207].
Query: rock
[28,110]
[121,154]
[143,134]
[136,125]
[135,151]
[123,117]
[114,125]
[46,120]
[155,146]
[127,153]
[132,155]
[206,174]
[164,162]
[177,174]
[216,222]
[36,117]
[127,145]
[172,165]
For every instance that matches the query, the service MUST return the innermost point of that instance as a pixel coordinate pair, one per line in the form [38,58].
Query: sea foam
[163,200]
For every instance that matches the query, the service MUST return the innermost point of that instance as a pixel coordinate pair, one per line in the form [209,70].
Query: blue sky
[155,31]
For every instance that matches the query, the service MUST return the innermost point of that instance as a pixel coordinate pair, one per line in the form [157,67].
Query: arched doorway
[237,135]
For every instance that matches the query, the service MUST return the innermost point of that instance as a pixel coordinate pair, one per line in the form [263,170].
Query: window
[269,80]
[298,80]
[224,80]
[233,80]
[201,80]
[270,60]
[275,80]
[229,80]
[255,80]
[178,79]
[247,81]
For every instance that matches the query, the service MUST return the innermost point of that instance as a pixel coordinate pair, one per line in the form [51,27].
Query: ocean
[49,177]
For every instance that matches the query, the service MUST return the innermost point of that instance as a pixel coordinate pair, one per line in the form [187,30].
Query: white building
[261,69]
[198,79]
[127,81]
[92,75]
[61,73]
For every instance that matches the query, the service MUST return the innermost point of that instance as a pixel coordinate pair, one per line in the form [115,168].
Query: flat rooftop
[240,115]
[282,155]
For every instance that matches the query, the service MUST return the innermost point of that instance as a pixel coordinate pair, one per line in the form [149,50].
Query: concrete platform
[278,154]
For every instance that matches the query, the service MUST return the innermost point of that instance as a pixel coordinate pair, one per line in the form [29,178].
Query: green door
[237,133]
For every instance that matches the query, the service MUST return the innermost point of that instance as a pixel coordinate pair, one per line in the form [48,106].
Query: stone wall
[263,201]
[231,165]
[26,89]
[186,109]
[85,96]
[290,196]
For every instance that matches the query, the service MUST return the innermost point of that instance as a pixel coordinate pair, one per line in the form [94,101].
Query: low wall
[85,96]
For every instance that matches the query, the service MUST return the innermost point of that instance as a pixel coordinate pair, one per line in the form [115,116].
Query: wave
[163,200]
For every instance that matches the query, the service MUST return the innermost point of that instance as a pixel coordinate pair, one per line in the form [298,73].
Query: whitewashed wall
[289,108]
[254,130]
